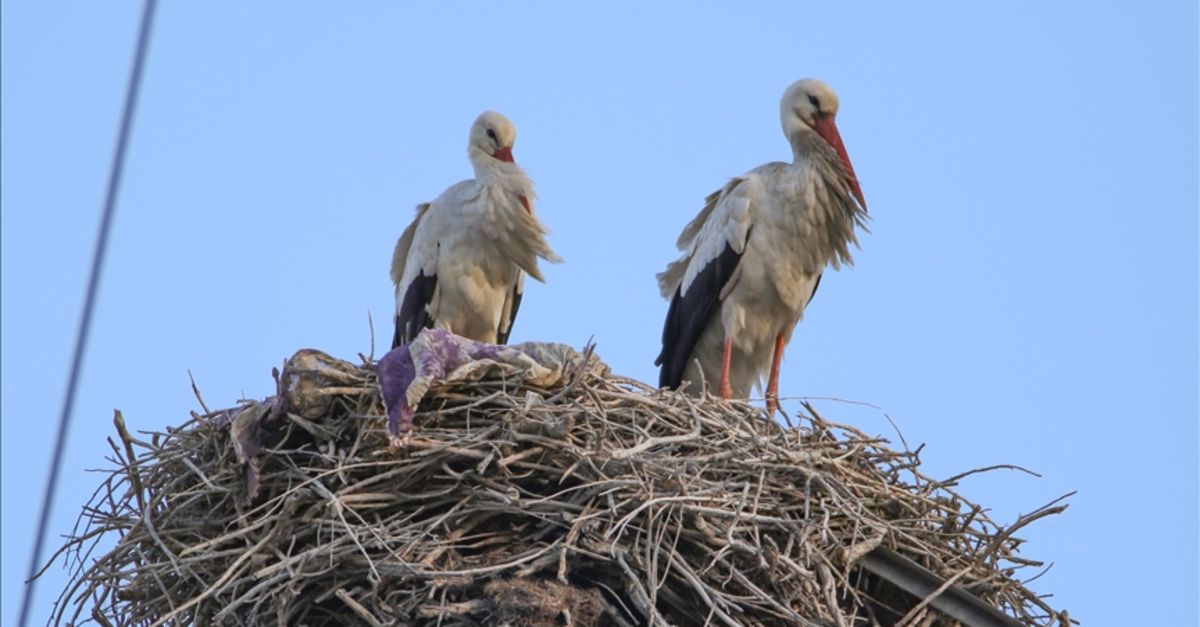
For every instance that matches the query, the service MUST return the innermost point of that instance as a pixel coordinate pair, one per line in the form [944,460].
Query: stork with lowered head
[754,256]
[461,264]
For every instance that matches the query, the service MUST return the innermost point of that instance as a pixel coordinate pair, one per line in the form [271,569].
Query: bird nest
[604,501]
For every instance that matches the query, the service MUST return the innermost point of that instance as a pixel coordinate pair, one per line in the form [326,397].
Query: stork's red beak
[505,154]
[826,128]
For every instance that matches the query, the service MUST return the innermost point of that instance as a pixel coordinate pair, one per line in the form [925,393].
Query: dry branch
[603,502]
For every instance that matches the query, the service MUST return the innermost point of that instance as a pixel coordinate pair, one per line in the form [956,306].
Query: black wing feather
[414,309]
[690,313]
[502,335]
[814,292]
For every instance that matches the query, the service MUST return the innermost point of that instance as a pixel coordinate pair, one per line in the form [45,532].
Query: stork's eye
[491,133]
[812,100]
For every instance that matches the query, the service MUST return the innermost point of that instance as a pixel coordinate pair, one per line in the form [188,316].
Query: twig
[673,509]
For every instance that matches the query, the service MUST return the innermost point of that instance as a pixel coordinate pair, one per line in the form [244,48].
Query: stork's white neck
[488,167]
[804,140]
[489,170]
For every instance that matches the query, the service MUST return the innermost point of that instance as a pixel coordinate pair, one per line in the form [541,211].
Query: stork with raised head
[754,255]
[461,264]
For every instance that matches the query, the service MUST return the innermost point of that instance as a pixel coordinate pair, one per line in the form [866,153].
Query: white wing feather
[404,245]
[724,221]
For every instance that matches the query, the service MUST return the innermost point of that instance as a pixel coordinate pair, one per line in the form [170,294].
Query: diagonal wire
[114,183]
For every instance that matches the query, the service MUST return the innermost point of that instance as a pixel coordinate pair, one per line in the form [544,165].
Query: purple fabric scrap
[438,356]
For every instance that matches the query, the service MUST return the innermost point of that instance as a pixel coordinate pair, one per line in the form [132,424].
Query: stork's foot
[773,379]
[725,391]
[726,388]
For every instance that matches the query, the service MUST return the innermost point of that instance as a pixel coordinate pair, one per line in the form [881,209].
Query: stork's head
[492,137]
[811,105]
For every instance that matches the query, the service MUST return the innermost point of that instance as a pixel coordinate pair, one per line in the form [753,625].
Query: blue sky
[1028,294]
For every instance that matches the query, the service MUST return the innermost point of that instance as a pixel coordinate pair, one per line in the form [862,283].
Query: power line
[89,302]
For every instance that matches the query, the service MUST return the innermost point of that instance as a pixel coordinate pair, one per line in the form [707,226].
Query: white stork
[460,265]
[754,255]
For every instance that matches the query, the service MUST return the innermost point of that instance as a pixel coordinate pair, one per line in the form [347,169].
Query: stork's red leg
[726,390]
[773,381]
